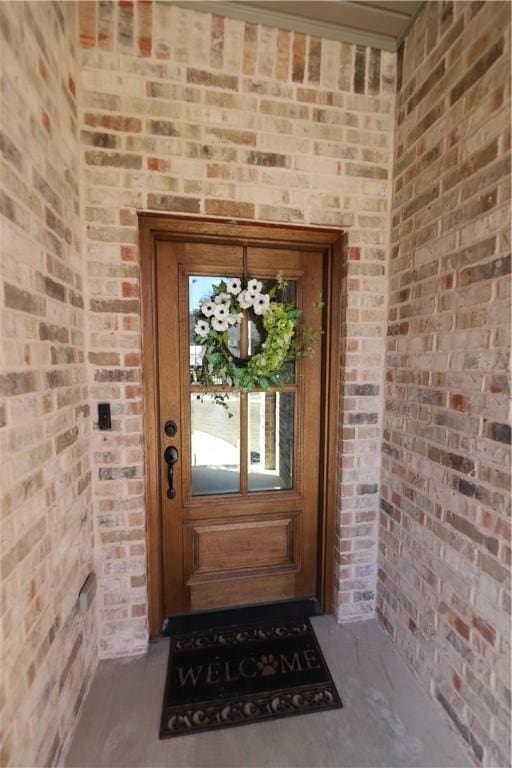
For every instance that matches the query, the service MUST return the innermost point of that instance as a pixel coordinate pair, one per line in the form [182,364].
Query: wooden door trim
[153,227]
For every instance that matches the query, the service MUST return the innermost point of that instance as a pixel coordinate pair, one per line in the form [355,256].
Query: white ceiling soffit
[376,23]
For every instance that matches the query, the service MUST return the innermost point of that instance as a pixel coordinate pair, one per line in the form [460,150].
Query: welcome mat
[227,676]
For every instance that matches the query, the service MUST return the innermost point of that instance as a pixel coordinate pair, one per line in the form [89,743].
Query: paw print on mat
[267,665]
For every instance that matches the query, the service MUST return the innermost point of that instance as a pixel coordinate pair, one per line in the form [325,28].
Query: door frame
[154,227]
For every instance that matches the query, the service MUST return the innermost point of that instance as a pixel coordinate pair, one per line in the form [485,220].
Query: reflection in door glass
[270,441]
[215,461]
[200,288]
[257,332]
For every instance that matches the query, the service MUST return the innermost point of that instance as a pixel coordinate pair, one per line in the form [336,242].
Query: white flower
[234,286]
[221,312]
[254,286]
[222,298]
[219,325]
[208,308]
[245,300]
[239,318]
[201,328]
[261,303]
[233,319]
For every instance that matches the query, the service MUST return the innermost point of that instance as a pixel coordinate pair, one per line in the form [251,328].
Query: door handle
[171,456]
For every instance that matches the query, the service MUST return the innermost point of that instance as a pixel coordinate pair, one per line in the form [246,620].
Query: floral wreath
[282,343]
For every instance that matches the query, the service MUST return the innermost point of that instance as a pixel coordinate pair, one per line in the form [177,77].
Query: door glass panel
[270,461]
[200,288]
[215,460]
[257,332]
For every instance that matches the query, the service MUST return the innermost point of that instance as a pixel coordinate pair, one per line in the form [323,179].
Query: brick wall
[444,579]
[188,112]
[48,651]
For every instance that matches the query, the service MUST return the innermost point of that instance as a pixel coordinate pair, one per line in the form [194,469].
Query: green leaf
[219,288]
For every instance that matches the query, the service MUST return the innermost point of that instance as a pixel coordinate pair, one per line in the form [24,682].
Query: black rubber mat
[231,675]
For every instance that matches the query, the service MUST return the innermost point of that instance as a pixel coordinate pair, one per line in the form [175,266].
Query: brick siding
[48,650]
[444,578]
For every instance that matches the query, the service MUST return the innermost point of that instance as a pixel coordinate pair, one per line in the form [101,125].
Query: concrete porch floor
[387,720]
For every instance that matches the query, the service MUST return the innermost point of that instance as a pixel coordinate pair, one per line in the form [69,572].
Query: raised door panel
[241,546]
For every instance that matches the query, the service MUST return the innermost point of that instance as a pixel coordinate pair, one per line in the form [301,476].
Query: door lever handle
[171,456]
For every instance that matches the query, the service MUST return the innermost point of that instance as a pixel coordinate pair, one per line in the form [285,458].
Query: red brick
[158,164]
[217,42]
[87,23]
[283,54]
[298,57]
[132,360]
[106,25]
[250,48]
[145,21]
[485,629]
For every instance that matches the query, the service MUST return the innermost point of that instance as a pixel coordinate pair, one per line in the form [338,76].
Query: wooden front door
[252,517]
[242,526]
